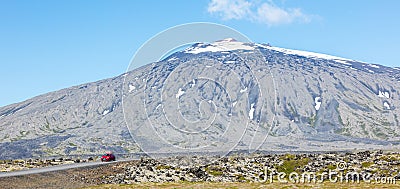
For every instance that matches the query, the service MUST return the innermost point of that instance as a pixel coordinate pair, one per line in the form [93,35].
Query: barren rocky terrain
[375,168]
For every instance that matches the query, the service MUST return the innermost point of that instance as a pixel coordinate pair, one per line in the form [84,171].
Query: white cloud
[230,9]
[258,11]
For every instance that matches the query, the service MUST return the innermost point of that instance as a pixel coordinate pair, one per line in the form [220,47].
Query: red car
[108,157]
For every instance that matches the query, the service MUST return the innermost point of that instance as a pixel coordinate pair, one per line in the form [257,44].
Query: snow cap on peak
[227,40]
[228,44]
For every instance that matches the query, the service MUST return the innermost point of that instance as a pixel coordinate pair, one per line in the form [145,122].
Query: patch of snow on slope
[373,66]
[193,83]
[342,62]
[234,103]
[131,88]
[251,112]
[243,90]
[387,95]
[384,94]
[370,71]
[318,103]
[386,105]
[105,112]
[180,93]
[308,54]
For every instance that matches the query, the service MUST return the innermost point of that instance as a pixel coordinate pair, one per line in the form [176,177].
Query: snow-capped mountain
[223,90]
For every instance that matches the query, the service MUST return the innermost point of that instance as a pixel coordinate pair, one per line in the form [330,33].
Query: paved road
[52,168]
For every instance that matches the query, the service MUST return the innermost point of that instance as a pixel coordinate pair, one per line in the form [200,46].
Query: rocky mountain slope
[226,92]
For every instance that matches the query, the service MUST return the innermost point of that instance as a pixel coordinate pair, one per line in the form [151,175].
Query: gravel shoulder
[70,178]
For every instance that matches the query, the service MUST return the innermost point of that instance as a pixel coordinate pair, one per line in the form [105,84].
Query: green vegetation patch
[292,165]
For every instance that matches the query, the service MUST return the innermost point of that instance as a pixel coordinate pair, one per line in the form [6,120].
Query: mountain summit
[264,97]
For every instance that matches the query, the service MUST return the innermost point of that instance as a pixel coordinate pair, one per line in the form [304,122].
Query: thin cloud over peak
[230,9]
[257,11]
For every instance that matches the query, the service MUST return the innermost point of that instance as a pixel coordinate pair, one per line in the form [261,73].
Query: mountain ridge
[343,101]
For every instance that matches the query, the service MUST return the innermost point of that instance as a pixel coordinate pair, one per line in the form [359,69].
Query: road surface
[53,168]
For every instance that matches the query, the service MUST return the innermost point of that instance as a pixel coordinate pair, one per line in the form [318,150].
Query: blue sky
[48,45]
